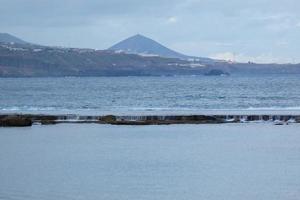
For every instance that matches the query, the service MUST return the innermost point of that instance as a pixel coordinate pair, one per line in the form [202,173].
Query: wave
[27,108]
[137,110]
[208,109]
[32,108]
[274,108]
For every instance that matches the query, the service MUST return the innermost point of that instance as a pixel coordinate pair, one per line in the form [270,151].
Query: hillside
[139,44]
[17,60]
[7,38]
[28,60]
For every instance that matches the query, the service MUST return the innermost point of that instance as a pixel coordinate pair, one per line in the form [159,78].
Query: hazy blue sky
[257,30]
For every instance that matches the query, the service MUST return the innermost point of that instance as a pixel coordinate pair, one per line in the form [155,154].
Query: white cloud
[229,56]
[207,27]
[262,58]
[259,16]
[172,20]
[280,26]
[282,43]
[223,44]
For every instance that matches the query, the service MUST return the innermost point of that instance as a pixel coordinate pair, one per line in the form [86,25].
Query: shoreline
[22,119]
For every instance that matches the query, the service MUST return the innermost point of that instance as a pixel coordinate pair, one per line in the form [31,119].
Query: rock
[146,122]
[192,119]
[108,119]
[15,121]
[165,120]
[48,122]
[44,117]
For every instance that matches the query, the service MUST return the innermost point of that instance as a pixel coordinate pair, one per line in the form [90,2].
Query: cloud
[280,26]
[228,56]
[223,44]
[172,20]
[282,43]
[45,12]
[195,27]
[262,58]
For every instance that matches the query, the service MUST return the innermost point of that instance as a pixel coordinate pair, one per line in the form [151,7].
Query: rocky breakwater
[164,120]
[15,121]
[28,120]
[297,119]
[19,120]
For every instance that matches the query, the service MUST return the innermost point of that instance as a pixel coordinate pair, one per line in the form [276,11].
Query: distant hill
[139,44]
[7,38]
[21,59]
[18,60]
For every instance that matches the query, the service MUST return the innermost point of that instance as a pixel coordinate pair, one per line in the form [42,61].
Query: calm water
[88,162]
[124,94]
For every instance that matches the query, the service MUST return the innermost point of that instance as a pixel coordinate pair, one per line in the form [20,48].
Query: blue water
[185,93]
[90,161]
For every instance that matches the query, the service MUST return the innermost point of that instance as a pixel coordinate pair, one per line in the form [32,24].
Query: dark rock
[165,120]
[45,117]
[15,121]
[253,118]
[146,122]
[196,119]
[108,119]
[48,122]
[265,117]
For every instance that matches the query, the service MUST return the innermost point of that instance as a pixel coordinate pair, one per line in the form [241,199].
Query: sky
[262,31]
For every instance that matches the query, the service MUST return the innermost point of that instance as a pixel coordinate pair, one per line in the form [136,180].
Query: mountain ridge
[8,38]
[142,45]
[139,44]
[30,60]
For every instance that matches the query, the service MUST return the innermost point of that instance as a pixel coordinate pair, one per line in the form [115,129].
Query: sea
[159,162]
[91,161]
[129,95]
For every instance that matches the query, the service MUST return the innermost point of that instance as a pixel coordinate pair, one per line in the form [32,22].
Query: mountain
[17,60]
[139,44]
[21,59]
[7,38]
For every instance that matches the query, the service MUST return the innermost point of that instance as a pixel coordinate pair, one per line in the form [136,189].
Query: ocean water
[89,161]
[149,94]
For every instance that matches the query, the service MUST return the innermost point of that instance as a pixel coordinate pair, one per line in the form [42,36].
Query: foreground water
[228,161]
[149,94]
